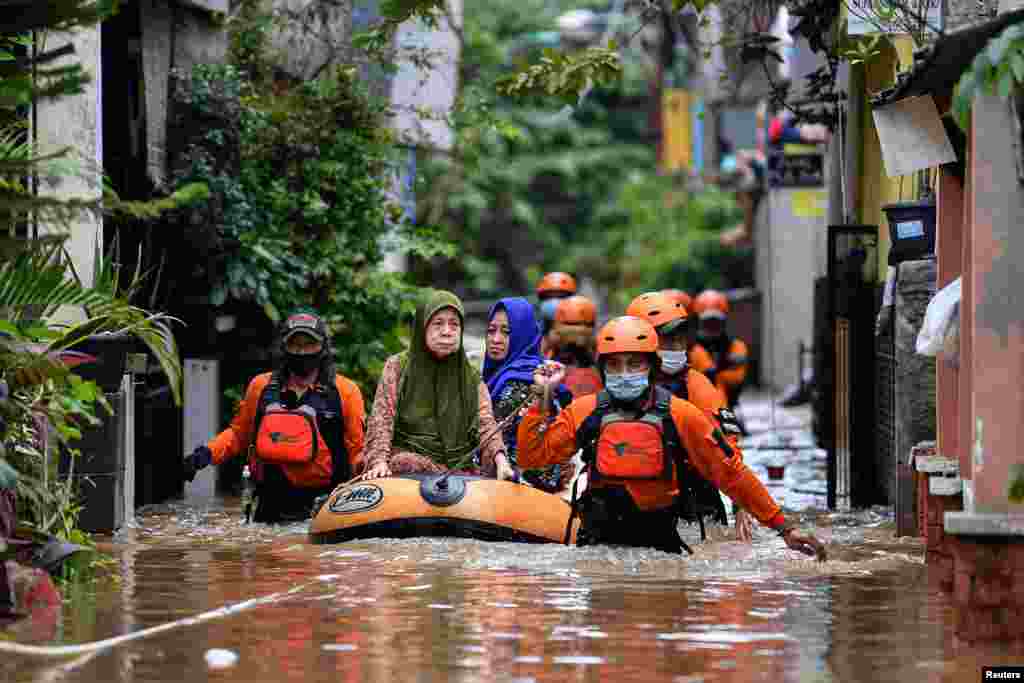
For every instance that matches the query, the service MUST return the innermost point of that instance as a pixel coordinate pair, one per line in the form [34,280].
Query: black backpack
[330,422]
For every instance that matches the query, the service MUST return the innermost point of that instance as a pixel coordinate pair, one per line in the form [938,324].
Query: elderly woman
[513,354]
[431,411]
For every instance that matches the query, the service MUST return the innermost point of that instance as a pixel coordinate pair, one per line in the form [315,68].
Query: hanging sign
[796,166]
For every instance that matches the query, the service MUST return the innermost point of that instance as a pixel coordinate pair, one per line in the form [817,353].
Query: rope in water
[99,645]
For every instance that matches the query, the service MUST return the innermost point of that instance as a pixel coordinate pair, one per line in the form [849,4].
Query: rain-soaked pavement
[459,610]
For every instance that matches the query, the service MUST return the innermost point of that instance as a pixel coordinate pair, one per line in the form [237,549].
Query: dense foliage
[300,173]
[562,189]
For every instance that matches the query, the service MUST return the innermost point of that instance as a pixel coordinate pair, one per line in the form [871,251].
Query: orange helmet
[556,283]
[679,295]
[576,310]
[711,304]
[627,334]
[638,305]
[657,308]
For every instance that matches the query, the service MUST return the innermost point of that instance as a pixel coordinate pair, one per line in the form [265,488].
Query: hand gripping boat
[436,505]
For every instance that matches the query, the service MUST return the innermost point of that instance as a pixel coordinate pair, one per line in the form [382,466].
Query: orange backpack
[287,437]
[623,447]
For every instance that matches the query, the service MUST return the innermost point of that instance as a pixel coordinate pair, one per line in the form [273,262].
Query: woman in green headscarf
[431,408]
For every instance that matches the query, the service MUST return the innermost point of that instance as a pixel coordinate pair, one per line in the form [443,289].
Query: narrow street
[441,609]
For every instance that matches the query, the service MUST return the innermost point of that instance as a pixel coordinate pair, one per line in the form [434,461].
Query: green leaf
[1006,84]
[271,310]
[1017,65]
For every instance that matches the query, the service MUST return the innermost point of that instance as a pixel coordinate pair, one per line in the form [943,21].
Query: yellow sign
[676,130]
[808,203]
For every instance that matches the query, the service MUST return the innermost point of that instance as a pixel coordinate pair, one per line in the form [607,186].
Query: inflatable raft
[431,505]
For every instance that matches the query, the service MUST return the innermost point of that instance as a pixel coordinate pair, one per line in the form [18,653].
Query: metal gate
[852,272]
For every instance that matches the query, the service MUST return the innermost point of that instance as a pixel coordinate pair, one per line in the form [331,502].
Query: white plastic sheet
[941,316]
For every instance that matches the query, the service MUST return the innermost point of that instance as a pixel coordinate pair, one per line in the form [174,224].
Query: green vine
[999,68]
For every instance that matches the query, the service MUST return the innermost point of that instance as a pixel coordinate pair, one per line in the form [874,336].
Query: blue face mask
[628,386]
[547,309]
[672,361]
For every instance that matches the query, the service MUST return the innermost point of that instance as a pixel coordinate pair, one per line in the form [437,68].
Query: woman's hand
[504,468]
[378,471]
[808,545]
[744,527]
[548,374]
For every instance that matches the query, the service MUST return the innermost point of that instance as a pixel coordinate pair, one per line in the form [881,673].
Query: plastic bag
[937,319]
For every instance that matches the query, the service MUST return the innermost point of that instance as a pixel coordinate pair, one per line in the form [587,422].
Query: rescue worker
[301,426]
[718,355]
[637,440]
[432,413]
[571,343]
[680,297]
[552,288]
[675,333]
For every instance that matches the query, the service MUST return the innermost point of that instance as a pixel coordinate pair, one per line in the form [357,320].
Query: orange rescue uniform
[729,368]
[316,474]
[557,444]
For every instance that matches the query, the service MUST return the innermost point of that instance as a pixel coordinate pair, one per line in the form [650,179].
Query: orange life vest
[307,446]
[288,437]
[621,447]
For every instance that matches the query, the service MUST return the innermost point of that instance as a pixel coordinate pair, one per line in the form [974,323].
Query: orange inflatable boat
[432,505]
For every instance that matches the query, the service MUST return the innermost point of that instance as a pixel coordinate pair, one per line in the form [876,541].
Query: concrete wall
[915,374]
[960,13]
[316,34]
[790,256]
[433,89]
[76,122]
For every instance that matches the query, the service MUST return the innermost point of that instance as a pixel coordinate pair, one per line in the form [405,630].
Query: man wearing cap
[301,426]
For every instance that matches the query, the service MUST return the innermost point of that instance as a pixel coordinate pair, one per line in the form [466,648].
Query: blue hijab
[523,346]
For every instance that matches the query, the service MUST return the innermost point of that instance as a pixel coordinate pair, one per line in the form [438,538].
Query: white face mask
[672,362]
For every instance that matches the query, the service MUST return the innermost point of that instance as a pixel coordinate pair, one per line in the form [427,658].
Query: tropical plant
[300,212]
[48,404]
[999,68]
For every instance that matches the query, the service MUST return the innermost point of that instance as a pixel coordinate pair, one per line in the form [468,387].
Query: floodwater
[433,609]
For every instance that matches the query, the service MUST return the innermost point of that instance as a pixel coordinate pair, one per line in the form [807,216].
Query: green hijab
[438,400]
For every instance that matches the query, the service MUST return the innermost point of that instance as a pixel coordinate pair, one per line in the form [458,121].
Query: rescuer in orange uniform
[718,355]
[571,343]
[679,297]
[638,441]
[672,323]
[552,288]
[301,426]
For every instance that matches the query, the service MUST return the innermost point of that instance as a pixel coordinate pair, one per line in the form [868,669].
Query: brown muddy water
[444,609]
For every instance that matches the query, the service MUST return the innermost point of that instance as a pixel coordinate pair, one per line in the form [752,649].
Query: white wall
[790,256]
[76,122]
[422,98]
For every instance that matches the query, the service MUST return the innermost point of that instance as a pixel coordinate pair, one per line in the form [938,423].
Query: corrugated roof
[946,60]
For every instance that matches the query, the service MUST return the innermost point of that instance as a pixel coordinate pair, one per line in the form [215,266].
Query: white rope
[96,646]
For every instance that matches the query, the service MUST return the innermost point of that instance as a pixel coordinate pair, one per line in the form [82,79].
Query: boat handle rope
[498,429]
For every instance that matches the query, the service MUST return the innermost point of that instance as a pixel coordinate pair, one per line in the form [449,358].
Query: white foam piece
[579,659]
[217,658]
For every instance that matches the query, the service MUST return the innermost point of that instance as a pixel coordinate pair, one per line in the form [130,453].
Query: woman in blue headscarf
[513,352]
